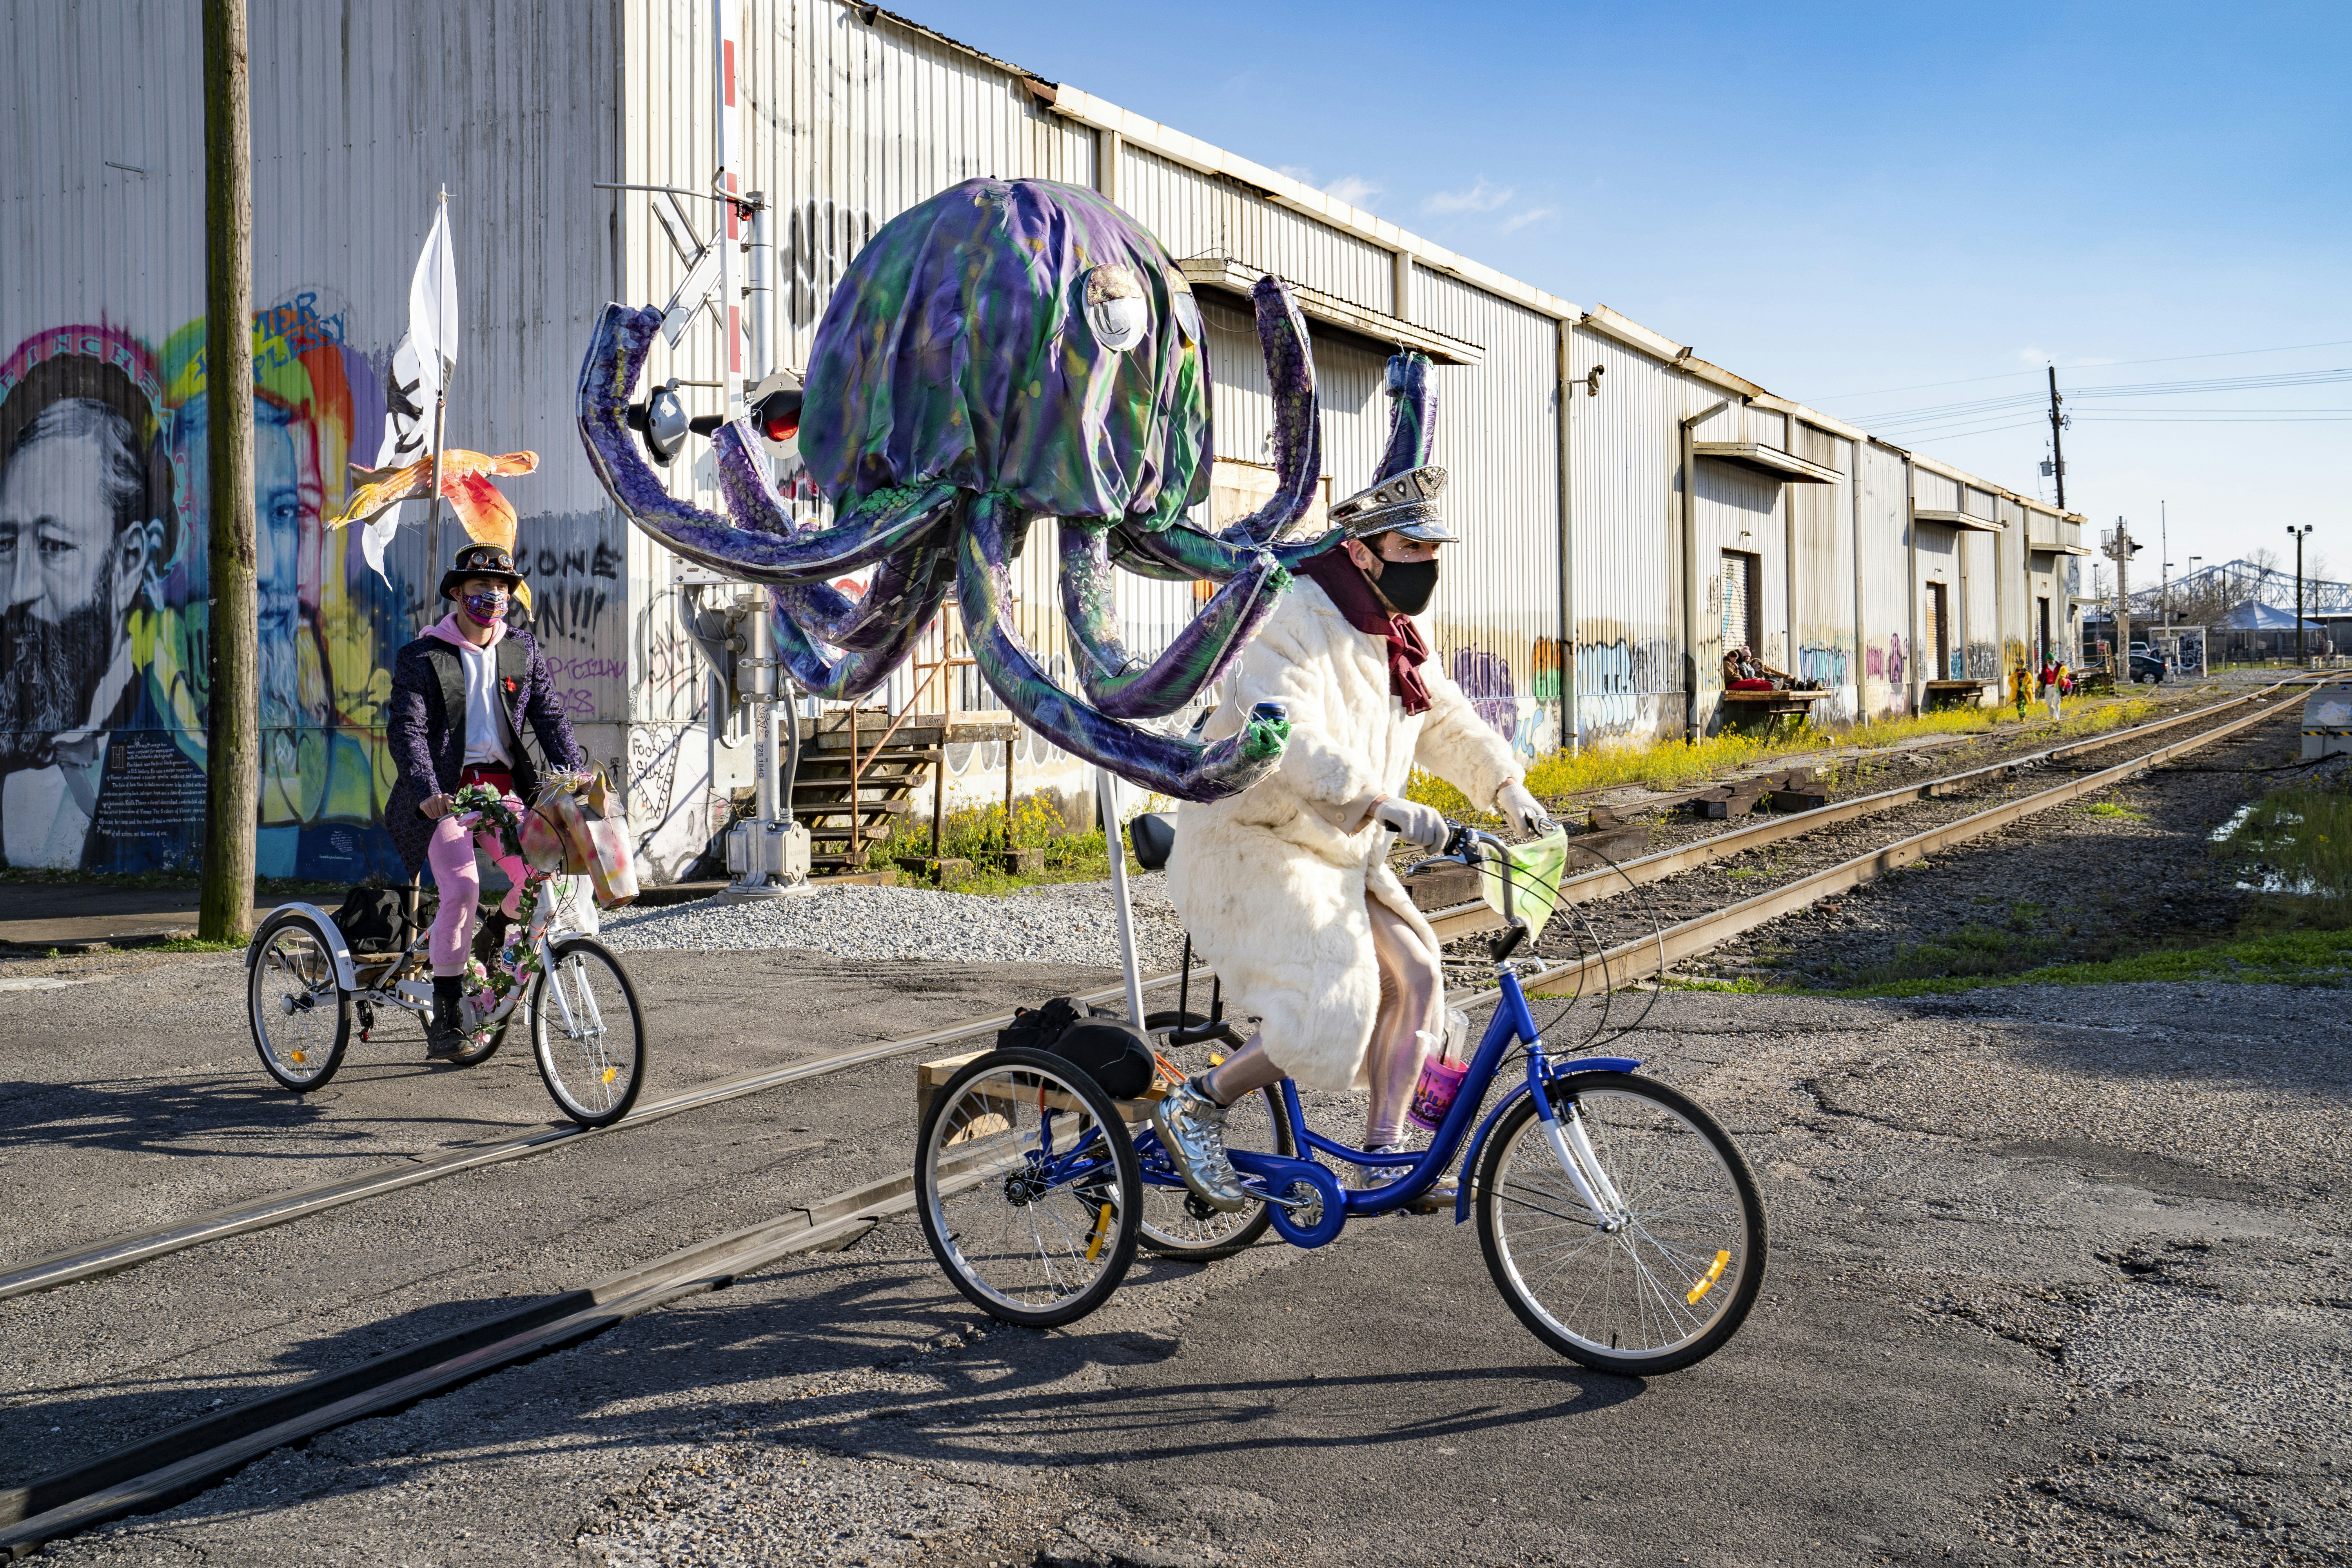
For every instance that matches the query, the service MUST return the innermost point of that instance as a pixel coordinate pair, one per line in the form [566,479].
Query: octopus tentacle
[1298,416]
[1412,416]
[859,670]
[747,486]
[1162,763]
[1124,686]
[878,525]
[1185,552]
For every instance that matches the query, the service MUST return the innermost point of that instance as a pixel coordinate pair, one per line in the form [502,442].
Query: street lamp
[2298,534]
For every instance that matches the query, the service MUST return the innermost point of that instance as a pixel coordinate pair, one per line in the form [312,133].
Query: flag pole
[440,424]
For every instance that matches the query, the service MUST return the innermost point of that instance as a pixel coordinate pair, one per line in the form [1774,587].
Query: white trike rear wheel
[302,1018]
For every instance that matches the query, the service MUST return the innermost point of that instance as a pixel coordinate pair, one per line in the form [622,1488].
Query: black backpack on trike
[1107,1049]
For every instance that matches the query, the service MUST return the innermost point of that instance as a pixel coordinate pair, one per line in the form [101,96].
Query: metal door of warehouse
[1739,606]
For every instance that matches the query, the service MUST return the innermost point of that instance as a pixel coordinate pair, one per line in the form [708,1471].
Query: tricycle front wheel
[1027,1188]
[1665,1281]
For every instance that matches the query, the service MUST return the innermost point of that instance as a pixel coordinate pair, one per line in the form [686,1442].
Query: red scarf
[1351,591]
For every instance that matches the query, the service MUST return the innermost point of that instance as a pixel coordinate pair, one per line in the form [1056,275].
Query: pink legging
[450,854]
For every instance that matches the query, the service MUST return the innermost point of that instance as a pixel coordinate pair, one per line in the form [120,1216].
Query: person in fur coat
[1285,888]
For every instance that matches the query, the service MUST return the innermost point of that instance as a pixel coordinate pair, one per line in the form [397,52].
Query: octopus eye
[1116,309]
[1186,309]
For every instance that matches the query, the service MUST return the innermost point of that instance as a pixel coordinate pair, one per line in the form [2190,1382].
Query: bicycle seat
[1154,835]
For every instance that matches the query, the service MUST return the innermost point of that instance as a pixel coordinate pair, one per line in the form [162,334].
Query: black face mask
[1408,585]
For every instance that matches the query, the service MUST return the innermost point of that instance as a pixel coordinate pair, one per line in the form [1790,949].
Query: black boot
[446,1038]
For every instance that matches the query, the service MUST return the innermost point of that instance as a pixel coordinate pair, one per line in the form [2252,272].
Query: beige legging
[1410,983]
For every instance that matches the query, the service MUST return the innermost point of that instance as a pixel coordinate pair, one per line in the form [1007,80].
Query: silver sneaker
[1363,1178]
[1191,1128]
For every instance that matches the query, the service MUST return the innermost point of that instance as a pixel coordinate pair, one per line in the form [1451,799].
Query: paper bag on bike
[612,865]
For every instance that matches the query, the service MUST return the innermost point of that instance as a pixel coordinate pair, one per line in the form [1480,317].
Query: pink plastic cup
[1433,1096]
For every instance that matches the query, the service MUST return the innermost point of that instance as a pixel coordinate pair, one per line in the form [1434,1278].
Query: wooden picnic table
[1771,706]
[1939,692]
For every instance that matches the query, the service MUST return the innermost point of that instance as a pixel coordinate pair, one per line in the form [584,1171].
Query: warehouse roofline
[1101,114]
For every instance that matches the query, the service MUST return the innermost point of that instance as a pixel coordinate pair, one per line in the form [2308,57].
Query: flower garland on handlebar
[491,990]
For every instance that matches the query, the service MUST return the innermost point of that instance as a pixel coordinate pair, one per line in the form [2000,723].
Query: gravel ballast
[1070,923]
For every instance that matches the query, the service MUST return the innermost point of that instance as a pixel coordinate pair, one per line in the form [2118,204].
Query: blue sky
[1839,201]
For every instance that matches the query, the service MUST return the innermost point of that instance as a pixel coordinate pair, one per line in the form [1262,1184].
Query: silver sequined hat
[1406,504]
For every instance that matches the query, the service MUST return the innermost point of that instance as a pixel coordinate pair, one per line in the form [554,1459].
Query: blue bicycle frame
[1512,1024]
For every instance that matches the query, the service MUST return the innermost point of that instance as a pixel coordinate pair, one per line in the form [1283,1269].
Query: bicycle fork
[1573,1149]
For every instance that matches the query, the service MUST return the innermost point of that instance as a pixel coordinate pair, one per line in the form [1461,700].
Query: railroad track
[186,1459]
[1658,951]
[128,1251]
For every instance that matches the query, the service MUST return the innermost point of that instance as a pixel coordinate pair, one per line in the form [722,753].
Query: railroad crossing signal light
[776,406]
[662,420]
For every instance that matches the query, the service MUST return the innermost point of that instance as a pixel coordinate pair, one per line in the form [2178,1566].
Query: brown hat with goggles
[480,561]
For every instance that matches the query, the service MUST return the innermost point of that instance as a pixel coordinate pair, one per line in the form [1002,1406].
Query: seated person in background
[1743,671]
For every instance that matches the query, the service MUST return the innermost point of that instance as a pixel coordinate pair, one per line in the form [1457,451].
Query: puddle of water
[2293,842]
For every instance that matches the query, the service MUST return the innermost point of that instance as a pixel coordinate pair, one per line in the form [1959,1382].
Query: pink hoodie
[446,628]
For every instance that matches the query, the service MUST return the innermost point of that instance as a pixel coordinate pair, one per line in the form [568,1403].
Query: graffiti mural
[1830,666]
[104,518]
[1486,679]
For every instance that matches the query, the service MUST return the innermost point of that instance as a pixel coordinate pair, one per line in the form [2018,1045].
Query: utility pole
[2298,534]
[2120,550]
[2057,451]
[2164,565]
[232,710]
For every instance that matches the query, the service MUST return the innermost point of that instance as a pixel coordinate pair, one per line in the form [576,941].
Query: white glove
[1523,810]
[1415,823]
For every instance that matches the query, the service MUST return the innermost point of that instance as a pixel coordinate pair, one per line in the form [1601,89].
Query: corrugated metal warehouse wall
[1624,465]
[1824,565]
[1890,662]
[521,106]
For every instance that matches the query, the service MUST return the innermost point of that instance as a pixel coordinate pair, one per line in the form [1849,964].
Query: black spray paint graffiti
[819,240]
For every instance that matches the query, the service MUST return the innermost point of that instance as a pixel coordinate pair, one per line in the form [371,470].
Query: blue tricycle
[1617,1217]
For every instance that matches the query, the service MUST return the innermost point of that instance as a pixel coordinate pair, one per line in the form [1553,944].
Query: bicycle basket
[1533,870]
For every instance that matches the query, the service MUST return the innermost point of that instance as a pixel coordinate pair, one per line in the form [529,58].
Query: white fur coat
[1272,882]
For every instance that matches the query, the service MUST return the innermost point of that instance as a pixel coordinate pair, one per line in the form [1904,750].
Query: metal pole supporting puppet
[1107,807]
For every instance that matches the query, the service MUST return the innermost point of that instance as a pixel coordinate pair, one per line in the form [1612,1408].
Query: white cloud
[1519,221]
[1353,189]
[1303,174]
[1481,197]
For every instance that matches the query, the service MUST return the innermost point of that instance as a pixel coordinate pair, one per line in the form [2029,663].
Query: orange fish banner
[488,517]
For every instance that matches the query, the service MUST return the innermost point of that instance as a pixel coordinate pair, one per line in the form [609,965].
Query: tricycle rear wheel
[1028,1188]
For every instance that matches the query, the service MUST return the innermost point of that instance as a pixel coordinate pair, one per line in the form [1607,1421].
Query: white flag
[419,369]
[433,298]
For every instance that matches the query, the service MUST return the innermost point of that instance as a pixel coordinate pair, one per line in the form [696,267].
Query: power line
[1937,413]
[2108,364]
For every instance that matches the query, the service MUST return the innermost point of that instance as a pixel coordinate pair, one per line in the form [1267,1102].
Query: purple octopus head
[1020,338]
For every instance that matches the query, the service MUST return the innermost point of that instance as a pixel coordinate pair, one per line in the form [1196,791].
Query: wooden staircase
[893,785]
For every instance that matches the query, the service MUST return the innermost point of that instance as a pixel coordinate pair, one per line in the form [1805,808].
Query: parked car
[2150,669]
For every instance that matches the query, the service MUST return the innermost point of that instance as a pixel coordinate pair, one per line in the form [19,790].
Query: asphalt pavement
[2057,1275]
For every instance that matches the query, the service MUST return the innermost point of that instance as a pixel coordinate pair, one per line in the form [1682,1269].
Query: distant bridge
[2235,582]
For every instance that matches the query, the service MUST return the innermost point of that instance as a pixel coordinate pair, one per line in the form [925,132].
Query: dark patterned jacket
[426,731]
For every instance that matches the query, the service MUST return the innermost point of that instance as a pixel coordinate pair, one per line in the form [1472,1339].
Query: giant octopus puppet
[1004,352]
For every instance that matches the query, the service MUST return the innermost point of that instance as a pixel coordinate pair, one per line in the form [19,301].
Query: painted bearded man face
[74,550]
